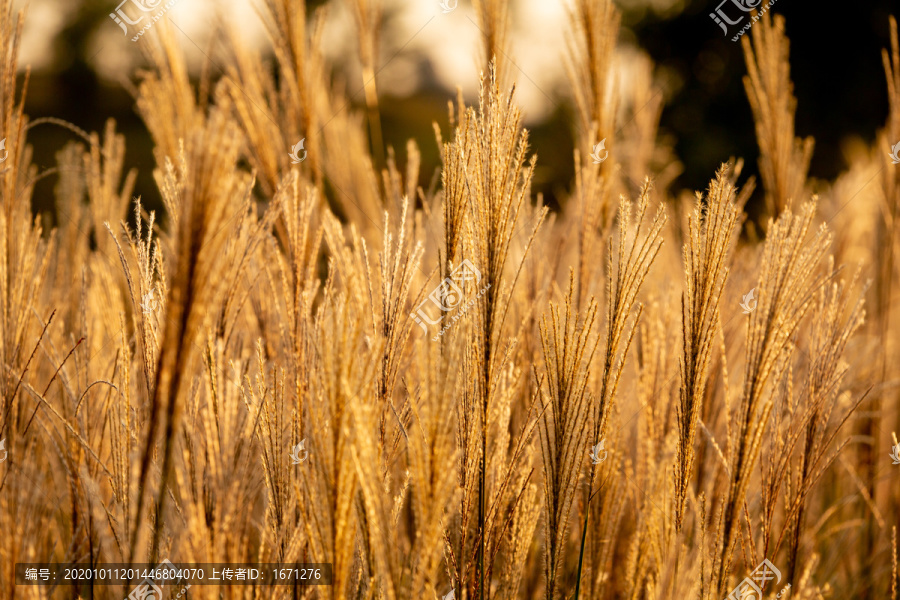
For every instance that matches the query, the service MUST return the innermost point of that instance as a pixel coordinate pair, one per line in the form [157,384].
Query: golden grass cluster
[157,371]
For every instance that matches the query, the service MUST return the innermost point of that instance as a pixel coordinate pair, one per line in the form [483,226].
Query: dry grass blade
[784,159]
[627,267]
[787,281]
[712,232]
[569,344]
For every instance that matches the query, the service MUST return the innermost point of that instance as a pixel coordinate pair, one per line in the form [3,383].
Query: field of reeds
[451,389]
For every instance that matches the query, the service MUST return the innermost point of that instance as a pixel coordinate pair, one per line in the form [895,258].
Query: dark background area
[836,67]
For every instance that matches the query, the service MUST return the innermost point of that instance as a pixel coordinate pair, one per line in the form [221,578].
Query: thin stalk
[482,489]
[481,511]
[587,514]
[374,115]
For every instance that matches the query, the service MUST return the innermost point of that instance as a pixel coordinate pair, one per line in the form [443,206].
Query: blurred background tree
[81,66]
